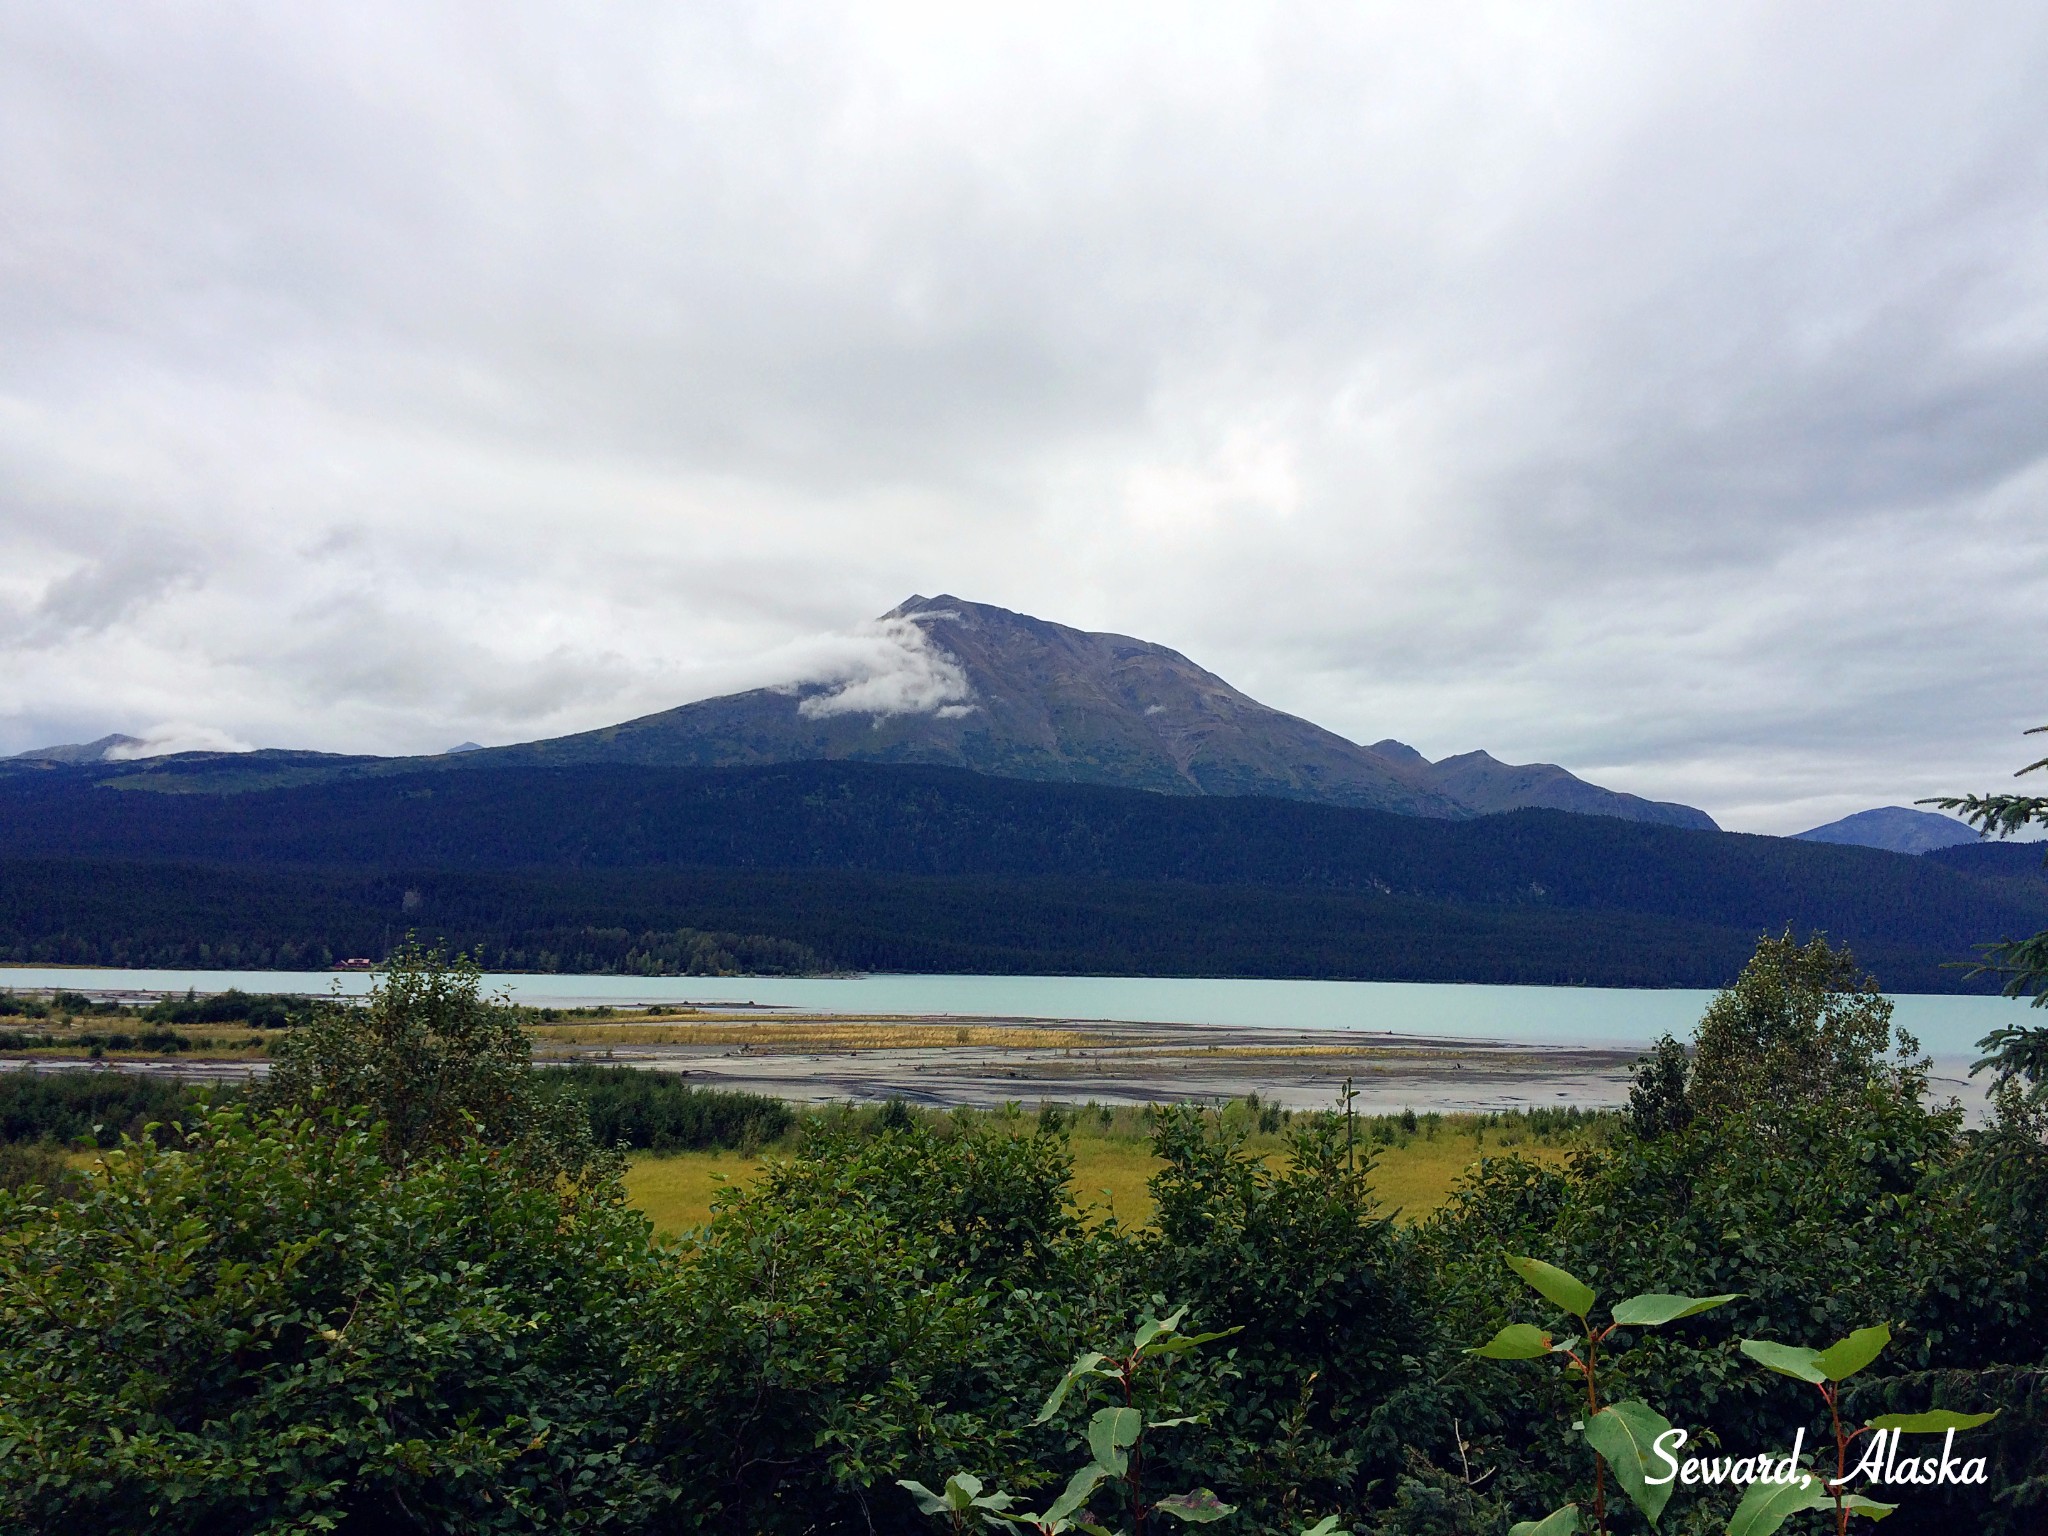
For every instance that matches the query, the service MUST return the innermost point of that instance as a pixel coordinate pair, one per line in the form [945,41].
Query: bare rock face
[1003,693]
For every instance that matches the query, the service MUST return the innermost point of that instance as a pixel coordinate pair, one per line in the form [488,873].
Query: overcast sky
[1657,390]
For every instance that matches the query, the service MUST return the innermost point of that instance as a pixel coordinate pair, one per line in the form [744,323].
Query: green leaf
[1857,1504]
[1766,1506]
[1841,1360]
[1151,1327]
[1933,1422]
[1079,1486]
[1624,1433]
[1082,1367]
[1517,1341]
[1653,1309]
[1109,1432]
[1559,1522]
[1179,1343]
[1327,1526]
[1793,1360]
[1198,1506]
[1554,1285]
[927,1501]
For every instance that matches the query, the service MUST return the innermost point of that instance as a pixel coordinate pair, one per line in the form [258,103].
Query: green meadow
[1411,1173]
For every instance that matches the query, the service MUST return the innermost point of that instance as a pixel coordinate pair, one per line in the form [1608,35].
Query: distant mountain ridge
[1894,828]
[82,751]
[931,868]
[1486,786]
[1042,701]
[999,693]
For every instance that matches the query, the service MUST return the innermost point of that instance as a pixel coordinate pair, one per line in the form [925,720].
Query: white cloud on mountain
[889,667]
[176,736]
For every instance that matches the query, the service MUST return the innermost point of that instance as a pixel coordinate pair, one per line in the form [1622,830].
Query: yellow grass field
[676,1190]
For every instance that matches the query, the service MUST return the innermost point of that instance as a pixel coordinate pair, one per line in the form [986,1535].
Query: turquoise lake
[1948,1026]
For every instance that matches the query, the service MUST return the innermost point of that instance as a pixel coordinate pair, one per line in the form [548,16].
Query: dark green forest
[830,865]
[398,1289]
[948,822]
[724,922]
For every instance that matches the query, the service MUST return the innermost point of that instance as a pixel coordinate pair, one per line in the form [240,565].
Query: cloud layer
[175,736]
[888,667]
[1661,392]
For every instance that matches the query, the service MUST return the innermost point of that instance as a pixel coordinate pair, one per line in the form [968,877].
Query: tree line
[769,922]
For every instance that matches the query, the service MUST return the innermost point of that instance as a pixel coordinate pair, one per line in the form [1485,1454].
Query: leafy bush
[434,1064]
[660,1112]
[259,1010]
[167,1041]
[76,1107]
[1327,1293]
[28,1165]
[1119,1438]
[271,1326]
[1801,1024]
[856,1317]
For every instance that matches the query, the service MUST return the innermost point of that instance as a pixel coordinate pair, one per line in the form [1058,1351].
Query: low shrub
[25,1166]
[70,1108]
[659,1112]
[269,1325]
[259,1010]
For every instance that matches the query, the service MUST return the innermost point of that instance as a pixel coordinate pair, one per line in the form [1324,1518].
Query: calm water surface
[1948,1027]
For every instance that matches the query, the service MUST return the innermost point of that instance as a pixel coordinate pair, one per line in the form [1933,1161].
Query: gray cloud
[1658,392]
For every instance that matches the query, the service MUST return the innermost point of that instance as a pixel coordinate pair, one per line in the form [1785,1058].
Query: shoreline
[954,1060]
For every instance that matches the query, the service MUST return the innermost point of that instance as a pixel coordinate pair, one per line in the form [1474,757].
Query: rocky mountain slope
[1484,785]
[968,685]
[1007,694]
[100,751]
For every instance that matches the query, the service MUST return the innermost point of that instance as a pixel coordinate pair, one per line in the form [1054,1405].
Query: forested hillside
[939,869]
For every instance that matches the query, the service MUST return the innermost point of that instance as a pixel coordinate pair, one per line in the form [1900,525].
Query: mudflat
[980,1061]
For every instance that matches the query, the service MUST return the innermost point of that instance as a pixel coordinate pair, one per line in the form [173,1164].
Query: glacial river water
[1948,1027]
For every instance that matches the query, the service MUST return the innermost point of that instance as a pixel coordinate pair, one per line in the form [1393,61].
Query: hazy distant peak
[1399,752]
[82,751]
[1895,828]
[916,606]
[465,746]
[1486,784]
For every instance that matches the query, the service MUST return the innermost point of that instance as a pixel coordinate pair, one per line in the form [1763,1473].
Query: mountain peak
[1895,828]
[1399,752]
[943,680]
[1487,785]
[82,751]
